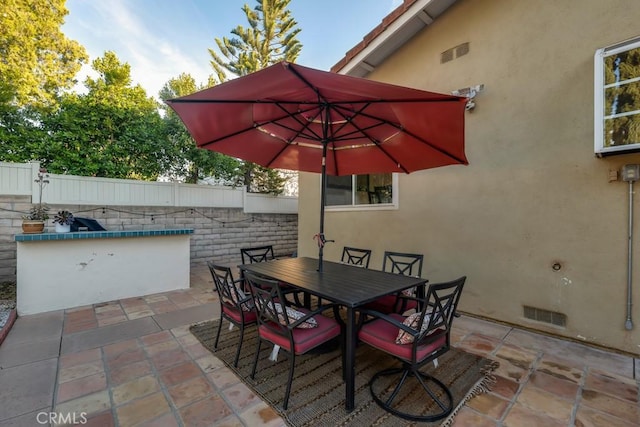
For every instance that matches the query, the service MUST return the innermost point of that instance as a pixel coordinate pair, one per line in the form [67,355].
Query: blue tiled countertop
[99,234]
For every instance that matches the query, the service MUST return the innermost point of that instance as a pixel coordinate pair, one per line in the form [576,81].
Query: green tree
[114,130]
[190,162]
[270,38]
[21,133]
[37,61]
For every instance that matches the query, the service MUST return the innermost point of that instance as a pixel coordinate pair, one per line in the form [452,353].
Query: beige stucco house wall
[534,194]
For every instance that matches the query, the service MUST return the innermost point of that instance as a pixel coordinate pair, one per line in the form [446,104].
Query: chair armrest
[377,315]
[404,300]
[400,295]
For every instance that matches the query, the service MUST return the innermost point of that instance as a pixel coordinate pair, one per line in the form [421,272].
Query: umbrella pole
[323,190]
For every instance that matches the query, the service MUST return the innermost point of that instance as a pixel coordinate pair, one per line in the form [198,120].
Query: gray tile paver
[36,327]
[590,356]
[93,338]
[28,420]
[26,387]
[28,352]
[31,339]
[188,316]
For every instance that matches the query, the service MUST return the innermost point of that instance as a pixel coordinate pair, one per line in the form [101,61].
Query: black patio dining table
[343,284]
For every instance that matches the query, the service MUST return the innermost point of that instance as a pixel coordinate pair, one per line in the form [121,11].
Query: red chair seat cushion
[390,304]
[235,315]
[304,339]
[382,335]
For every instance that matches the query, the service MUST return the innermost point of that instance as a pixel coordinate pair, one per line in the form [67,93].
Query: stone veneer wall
[219,233]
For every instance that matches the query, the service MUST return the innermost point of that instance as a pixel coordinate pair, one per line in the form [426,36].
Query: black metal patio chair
[356,256]
[414,340]
[257,254]
[235,306]
[407,264]
[251,255]
[296,330]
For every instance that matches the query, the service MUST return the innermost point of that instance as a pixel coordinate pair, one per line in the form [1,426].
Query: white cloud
[154,59]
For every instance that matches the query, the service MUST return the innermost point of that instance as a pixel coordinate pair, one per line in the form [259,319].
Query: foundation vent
[545,316]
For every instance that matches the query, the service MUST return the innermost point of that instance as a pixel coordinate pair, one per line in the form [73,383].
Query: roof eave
[404,22]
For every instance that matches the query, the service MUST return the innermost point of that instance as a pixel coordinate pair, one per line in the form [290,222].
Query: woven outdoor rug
[317,393]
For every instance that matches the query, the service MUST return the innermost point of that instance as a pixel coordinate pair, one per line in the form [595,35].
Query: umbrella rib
[325,121]
[305,126]
[213,141]
[400,129]
[411,134]
[440,150]
[308,83]
[319,112]
[362,130]
[374,141]
[347,136]
[347,121]
[257,125]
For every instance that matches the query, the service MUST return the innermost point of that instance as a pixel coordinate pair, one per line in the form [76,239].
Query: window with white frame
[617,98]
[361,190]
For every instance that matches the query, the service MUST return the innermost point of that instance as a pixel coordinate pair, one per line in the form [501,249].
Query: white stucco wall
[60,274]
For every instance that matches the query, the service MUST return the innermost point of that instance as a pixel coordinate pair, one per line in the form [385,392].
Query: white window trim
[372,207]
[599,89]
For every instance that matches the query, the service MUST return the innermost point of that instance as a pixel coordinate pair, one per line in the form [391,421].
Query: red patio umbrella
[292,117]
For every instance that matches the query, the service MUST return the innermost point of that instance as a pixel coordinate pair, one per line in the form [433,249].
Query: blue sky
[162,38]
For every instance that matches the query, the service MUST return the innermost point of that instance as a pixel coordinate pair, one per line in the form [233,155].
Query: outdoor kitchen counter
[64,270]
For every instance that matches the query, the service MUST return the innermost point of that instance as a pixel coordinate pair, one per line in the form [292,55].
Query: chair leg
[343,355]
[235,361]
[422,377]
[215,346]
[436,390]
[255,359]
[292,364]
[343,342]
[393,395]
[296,298]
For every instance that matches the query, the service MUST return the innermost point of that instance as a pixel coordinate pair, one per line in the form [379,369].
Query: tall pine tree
[271,37]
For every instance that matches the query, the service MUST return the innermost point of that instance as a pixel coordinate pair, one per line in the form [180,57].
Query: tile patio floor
[133,362]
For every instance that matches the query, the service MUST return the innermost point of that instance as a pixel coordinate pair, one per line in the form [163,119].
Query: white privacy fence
[19,179]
